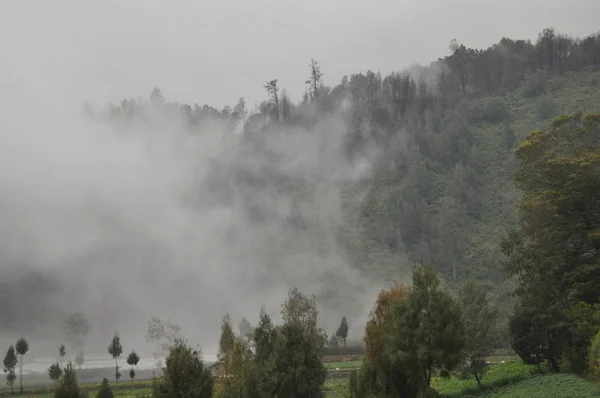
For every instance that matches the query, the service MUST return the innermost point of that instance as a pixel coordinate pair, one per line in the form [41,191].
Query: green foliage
[11,376]
[67,386]
[411,332]
[342,331]
[10,362]
[185,374]
[54,371]
[287,360]
[104,391]
[498,375]
[263,337]
[594,356]
[555,386]
[10,359]
[21,347]
[553,253]
[115,349]
[480,337]
[132,360]
[437,321]
[226,342]
[297,362]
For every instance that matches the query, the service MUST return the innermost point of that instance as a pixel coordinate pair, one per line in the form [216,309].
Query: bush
[105,390]
[67,386]
[185,374]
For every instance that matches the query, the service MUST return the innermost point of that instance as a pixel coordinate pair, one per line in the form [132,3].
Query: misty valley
[431,232]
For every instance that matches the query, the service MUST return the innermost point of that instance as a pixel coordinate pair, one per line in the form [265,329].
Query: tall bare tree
[273,91]
[315,79]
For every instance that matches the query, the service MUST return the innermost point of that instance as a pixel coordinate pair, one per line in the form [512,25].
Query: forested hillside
[440,140]
[444,137]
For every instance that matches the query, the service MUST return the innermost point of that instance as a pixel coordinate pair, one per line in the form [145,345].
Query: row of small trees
[115,349]
[412,332]
[11,360]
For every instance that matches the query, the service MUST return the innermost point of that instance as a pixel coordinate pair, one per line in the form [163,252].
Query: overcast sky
[216,51]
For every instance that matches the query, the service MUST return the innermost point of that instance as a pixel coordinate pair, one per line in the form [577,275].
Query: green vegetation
[497,376]
[557,385]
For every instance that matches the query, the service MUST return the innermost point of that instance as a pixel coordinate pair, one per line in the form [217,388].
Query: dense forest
[440,140]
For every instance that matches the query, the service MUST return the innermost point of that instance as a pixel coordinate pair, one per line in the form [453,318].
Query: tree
[226,342]
[104,391]
[244,380]
[342,331]
[11,377]
[480,337]
[21,347]
[185,374]
[67,386]
[10,362]
[410,332]
[315,79]
[439,325]
[62,351]
[553,254]
[298,349]
[162,333]
[76,329]
[80,359]
[239,111]
[156,332]
[132,360]
[263,336]
[156,97]
[387,331]
[594,356]
[115,349]
[245,328]
[272,91]
[459,61]
[55,371]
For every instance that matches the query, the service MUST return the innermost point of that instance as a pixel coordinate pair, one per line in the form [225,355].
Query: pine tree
[10,362]
[115,349]
[342,331]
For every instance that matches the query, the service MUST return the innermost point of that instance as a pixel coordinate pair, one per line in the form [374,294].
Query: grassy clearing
[343,365]
[550,385]
[497,376]
[516,380]
[336,388]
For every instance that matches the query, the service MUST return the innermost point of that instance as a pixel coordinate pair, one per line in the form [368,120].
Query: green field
[343,365]
[517,380]
[511,379]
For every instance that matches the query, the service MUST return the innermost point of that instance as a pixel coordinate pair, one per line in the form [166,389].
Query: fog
[154,222]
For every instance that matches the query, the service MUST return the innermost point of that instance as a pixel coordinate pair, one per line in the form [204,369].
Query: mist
[158,222]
